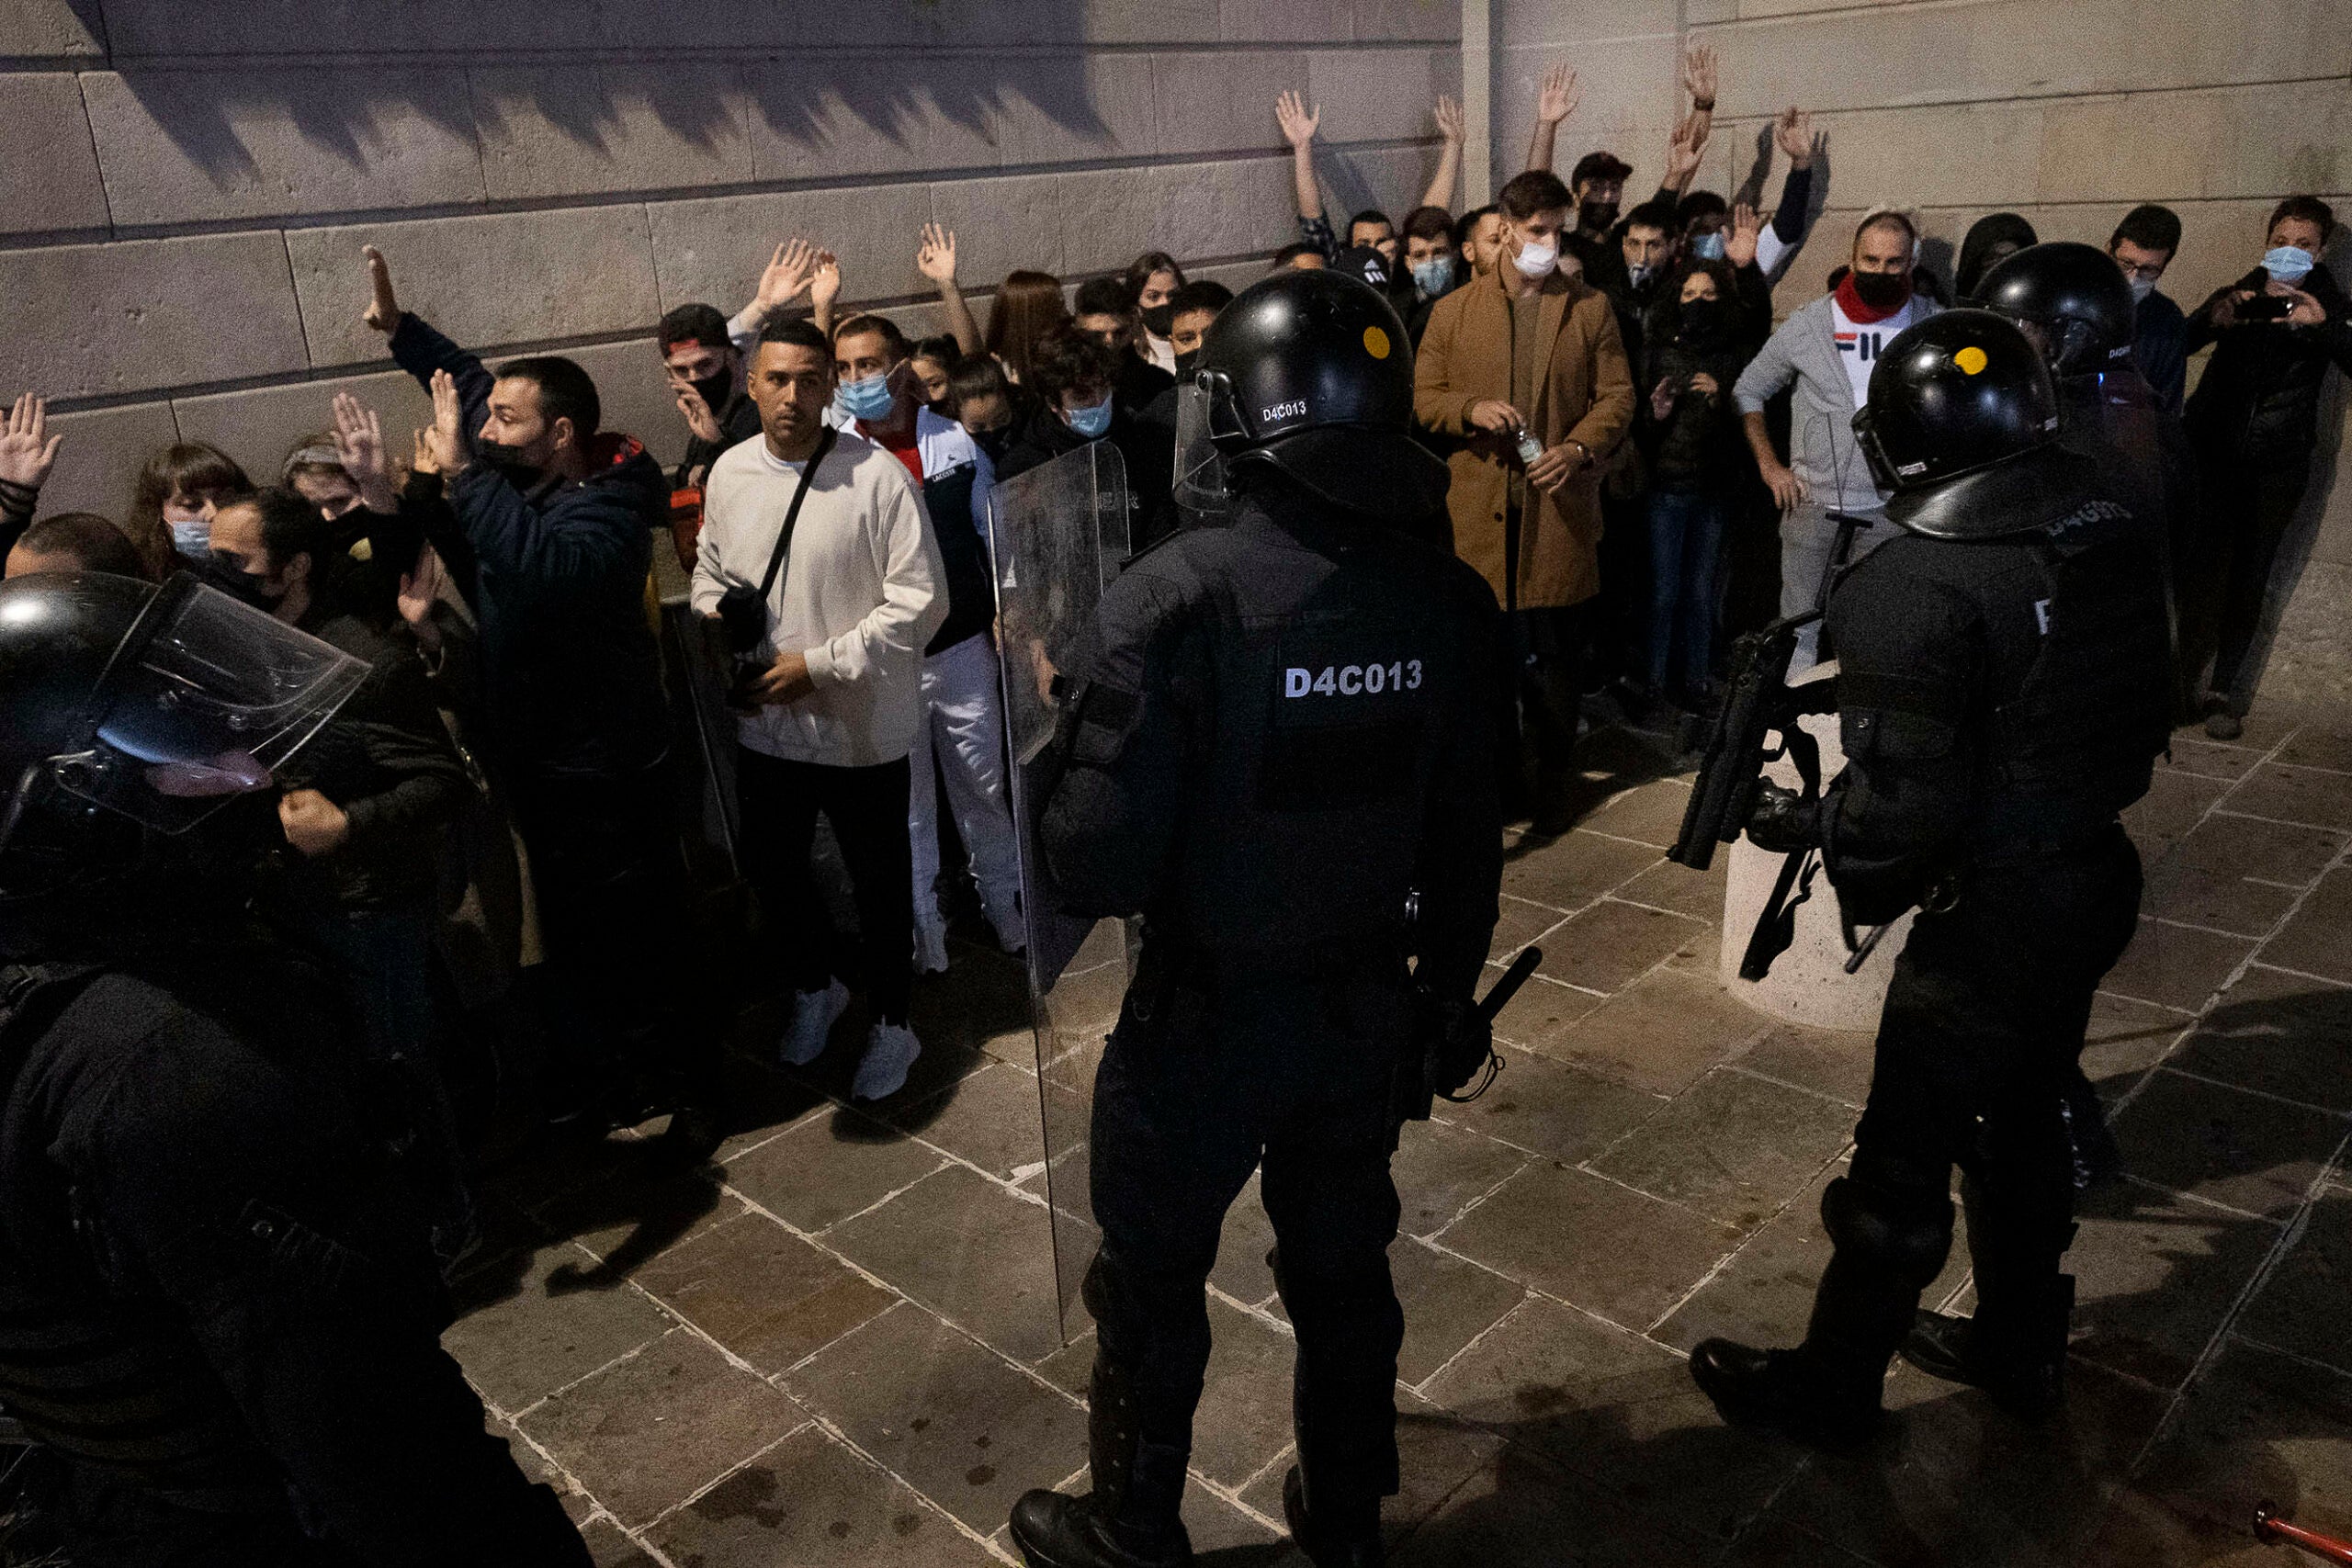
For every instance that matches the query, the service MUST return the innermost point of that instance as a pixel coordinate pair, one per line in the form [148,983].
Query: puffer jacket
[2259,400]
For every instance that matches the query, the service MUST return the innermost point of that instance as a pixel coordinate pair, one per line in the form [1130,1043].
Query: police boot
[1131,1519]
[2097,1154]
[1825,1393]
[2015,1347]
[1331,1537]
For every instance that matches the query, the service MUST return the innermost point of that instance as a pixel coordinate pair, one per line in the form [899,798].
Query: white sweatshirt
[861,592]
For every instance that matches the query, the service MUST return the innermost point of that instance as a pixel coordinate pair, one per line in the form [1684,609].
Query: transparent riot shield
[1056,535]
[1201,494]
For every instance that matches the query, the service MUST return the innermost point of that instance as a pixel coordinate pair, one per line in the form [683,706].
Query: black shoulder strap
[792,516]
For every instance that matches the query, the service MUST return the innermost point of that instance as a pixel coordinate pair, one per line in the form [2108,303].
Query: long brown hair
[186,468]
[1028,305]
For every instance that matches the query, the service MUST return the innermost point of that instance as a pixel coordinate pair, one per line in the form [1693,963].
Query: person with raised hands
[27,453]
[1371,227]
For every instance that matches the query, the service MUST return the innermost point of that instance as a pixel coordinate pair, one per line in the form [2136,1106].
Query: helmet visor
[1201,492]
[205,698]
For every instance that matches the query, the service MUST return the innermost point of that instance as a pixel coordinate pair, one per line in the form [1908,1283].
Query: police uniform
[1281,758]
[219,1316]
[2003,691]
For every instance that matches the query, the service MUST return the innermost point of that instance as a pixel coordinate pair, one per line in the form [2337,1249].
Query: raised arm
[1299,126]
[27,454]
[419,350]
[1792,132]
[1555,103]
[783,280]
[935,259]
[824,287]
[1449,156]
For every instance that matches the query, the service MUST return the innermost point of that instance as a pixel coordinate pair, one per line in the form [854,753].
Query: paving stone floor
[839,1343]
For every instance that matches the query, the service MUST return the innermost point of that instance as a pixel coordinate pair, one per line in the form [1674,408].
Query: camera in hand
[2264,308]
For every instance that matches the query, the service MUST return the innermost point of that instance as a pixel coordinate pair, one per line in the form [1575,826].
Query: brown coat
[1583,392]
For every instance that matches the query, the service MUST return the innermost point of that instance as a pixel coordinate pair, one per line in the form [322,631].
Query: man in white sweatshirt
[831,696]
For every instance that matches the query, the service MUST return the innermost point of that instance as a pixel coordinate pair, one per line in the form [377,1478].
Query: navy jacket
[2160,348]
[571,672]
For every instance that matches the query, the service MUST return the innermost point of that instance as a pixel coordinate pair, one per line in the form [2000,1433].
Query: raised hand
[1684,150]
[27,451]
[699,418]
[785,276]
[1747,228]
[359,448]
[1793,133]
[825,282]
[451,451]
[935,257]
[1698,75]
[1559,96]
[1298,125]
[383,311]
[420,586]
[1449,119]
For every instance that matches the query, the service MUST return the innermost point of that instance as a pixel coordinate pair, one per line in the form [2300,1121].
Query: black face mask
[506,458]
[1184,363]
[1594,217]
[994,442]
[1157,319]
[245,587]
[1703,322]
[1882,290]
[717,390]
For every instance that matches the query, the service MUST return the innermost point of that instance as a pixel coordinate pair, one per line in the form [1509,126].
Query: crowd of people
[1606,384]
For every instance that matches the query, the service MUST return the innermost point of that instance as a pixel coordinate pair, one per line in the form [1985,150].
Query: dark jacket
[1140,381]
[1698,446]
[211,1281]
[2160,348]
[386,761]
[1147,447]
[571,672]
[2258,400]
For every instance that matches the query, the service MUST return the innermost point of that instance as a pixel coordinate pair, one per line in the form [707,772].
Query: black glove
[1457,1044]
[1785,821]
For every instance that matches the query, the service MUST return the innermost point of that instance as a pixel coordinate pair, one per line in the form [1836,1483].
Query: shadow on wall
[917,111]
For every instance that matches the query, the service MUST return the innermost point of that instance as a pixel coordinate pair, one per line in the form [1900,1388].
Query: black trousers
[1983,1022]
[867,808]
[1198,1087]
[625,992]
[2246,510]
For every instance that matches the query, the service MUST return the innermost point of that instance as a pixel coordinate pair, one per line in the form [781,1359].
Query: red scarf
[1862,315]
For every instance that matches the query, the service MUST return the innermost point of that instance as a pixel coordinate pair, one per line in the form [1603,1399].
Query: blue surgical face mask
[1433,275]
[2288,264]
[192,539]
[870,398]
[1707,246]
[1091,421]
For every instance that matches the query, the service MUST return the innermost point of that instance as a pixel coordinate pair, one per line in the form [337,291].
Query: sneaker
[931,949]
[2223,725]
[890,1050]
[813,1015]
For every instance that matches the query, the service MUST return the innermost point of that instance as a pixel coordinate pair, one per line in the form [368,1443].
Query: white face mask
[1536,259]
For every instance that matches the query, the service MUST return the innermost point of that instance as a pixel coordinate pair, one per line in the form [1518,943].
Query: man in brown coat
[1521,358]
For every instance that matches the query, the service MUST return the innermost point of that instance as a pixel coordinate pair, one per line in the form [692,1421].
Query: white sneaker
[813,1015]
[931,949]
[890,1050]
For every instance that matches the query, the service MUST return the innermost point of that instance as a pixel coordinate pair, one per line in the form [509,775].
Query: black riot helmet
[156,704]
[1311,373]
[2072,298]
[1961,425]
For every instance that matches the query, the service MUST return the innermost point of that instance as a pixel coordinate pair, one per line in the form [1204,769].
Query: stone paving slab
[839,1344]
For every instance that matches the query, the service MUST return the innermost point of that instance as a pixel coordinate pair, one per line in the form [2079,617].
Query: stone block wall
[2068,111]
[188,187]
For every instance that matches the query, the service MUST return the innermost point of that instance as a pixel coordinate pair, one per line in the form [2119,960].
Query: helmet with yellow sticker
[1961,426]
[1311,374]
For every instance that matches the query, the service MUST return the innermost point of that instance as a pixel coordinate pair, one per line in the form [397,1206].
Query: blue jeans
[1686,558]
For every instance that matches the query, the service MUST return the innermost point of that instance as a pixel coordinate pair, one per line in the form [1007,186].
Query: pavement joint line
[1476,1199]
[1283,1458]
[1556,1300]
[888,1197]
[834,1430]
[2292,1231]
[2330,1368]
[1585,1166]
[2193,926]
[2198,1199]
[1473,1342]
[2273,821]
[2257,1093]
[2272,882]
[1219,1294]
[1725,1261]
[698,1493]
[2190,1013]
[1733,1064]
[2302,974]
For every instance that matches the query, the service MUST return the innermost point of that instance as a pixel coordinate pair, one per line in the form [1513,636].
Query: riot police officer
[2074,304]
[1280,748]
[219,1314]
[2002,696]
